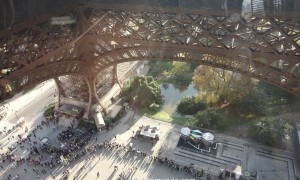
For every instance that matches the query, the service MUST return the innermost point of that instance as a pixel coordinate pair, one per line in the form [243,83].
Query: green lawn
[163,116]
[231,121]
[160,115]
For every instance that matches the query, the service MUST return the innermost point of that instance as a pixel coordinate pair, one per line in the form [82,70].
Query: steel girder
[105,80]
[266,46]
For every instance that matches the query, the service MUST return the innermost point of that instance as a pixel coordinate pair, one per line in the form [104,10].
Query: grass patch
[163,116]
[159,115]
[49,112]
[231,120]
[183,121]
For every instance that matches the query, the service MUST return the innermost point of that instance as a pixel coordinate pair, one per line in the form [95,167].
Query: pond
[173,95]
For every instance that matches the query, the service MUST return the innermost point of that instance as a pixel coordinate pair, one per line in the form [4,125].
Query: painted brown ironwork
[266,46]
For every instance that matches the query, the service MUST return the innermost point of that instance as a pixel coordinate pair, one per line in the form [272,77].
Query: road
[29,104]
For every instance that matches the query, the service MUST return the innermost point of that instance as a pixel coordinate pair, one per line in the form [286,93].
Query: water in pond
[173,95]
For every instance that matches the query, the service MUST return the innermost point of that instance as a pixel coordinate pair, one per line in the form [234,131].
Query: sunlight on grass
[163,116]
[160,115]
[230,122]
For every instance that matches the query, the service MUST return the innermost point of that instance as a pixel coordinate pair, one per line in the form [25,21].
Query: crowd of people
[66,135]
[74,149]
[35,159]
[109,145]
[81,138]
[27,143]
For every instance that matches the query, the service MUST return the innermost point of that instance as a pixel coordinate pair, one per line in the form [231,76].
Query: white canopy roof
[150,132]
[185,131]
[208,136]
[99,120]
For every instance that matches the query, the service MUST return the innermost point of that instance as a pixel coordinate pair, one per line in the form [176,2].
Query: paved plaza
[269,163]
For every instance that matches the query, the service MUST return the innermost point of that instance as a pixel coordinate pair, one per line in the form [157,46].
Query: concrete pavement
[267,162]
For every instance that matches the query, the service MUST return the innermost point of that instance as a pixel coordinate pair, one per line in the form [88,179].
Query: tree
[49,112]
[143,91]
[209,118]
[190,106]
[158,67]
[180,67]
[182,80]
[279,95]
[222,84]
[270,131]
[255,102]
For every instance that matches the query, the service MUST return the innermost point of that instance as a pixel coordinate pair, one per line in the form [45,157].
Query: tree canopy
[270,131]
[209,118]
[221,84]
[142,91]
[256,102]
[190,106]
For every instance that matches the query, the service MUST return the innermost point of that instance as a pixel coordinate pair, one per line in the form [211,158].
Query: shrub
[108,122]
[154,107]
[142,91]
[49,112]
[190,106]
[270,132]
[211,118]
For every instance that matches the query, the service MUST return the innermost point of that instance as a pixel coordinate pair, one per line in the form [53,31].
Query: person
[98,174]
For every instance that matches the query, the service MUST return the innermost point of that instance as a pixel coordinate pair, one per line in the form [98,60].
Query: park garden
[221,100]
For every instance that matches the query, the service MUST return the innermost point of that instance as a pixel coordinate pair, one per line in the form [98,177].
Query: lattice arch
[74,87]
[105,81]
[265,46]
[239,64]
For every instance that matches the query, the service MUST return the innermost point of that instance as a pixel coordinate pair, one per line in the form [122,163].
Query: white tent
[150,132]
[99,120]
[208,136]
[185,131]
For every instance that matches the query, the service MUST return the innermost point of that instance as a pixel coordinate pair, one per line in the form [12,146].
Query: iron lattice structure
[265,47]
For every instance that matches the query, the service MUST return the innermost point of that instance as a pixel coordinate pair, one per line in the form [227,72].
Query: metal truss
[74,87]
[105,80]
[265,46]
